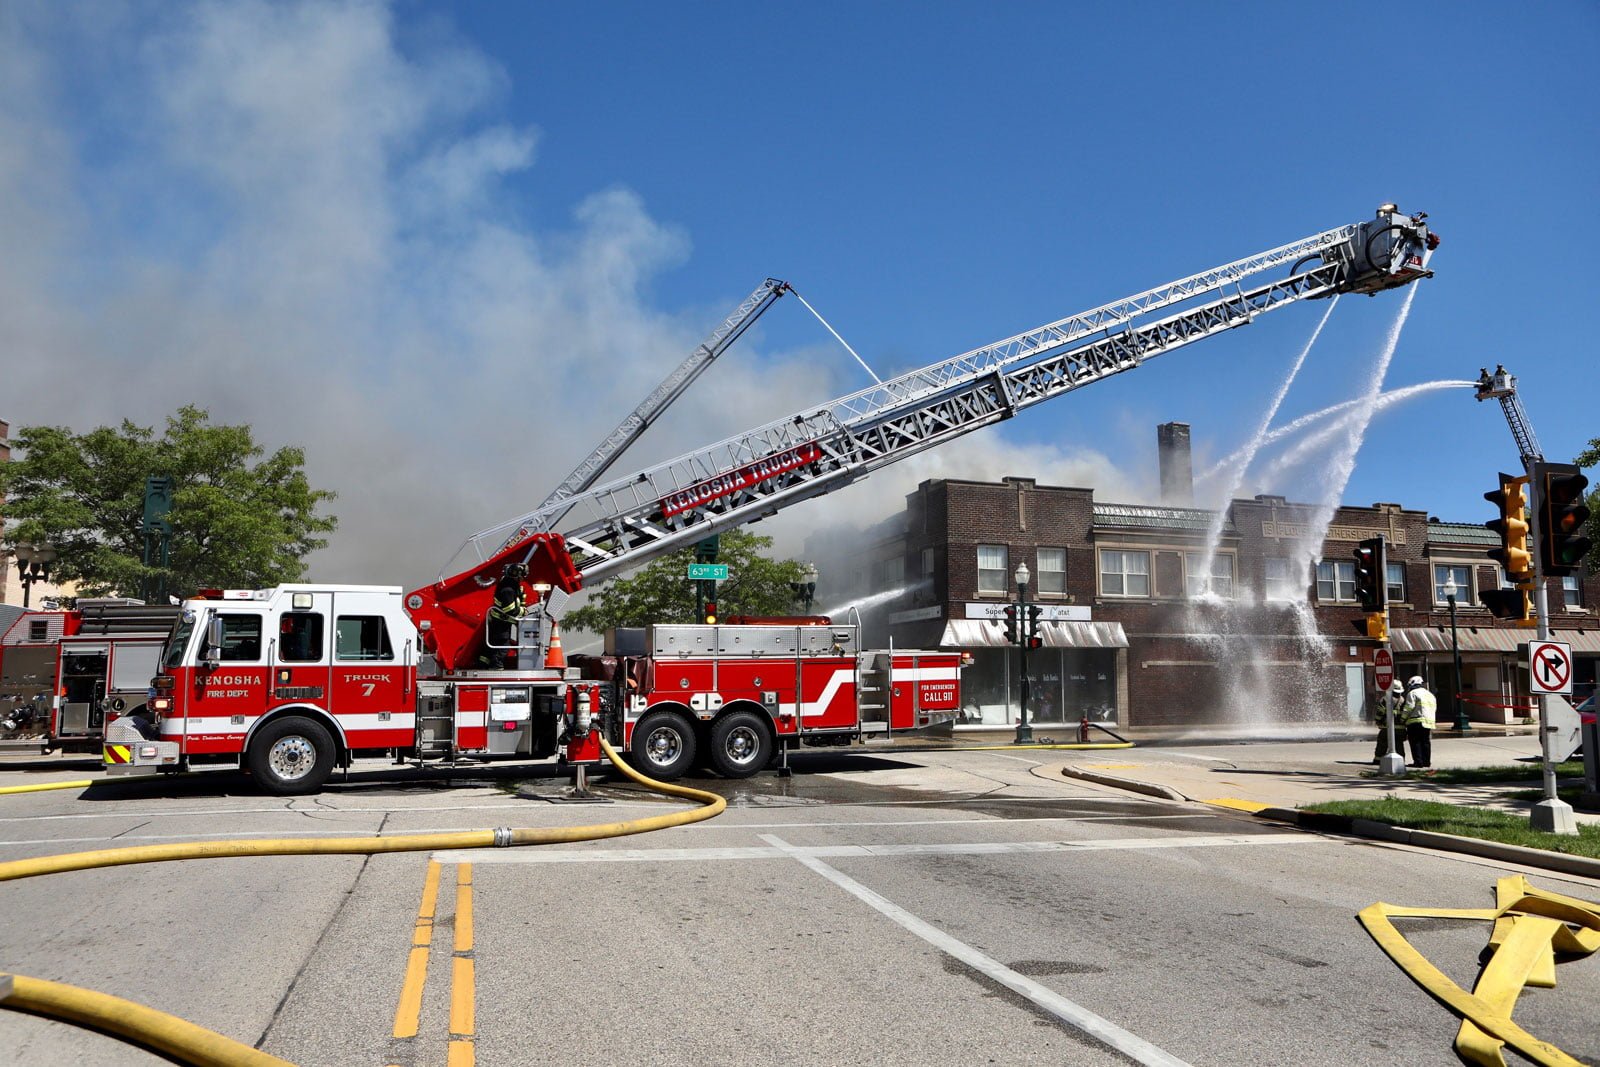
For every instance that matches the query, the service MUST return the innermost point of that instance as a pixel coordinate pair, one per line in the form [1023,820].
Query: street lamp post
[1024,731]
[806,588]
[1455,652]
[33,565]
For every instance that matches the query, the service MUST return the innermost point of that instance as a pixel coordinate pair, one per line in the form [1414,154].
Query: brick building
[1134,632]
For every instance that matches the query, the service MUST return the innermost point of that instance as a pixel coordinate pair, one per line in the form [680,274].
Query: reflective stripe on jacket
[1421,707]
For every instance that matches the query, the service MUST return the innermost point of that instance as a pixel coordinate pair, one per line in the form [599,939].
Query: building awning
[980,633]
[1486,639]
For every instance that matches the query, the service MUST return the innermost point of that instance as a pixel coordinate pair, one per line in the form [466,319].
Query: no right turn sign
[1549,667]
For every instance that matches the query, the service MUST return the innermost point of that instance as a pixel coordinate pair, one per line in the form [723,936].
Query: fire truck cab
[290,682]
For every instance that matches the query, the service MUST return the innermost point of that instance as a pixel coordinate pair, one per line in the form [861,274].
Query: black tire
[663,745]
[741,744]
[291,756]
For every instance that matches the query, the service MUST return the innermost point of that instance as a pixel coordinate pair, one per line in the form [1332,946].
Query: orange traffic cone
[555,659]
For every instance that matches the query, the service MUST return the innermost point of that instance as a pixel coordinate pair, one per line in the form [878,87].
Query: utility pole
[1552,814]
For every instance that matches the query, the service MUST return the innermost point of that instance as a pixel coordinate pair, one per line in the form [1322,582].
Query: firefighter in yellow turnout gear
[1419,713]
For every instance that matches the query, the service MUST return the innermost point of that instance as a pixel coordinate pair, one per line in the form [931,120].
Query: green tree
[661,591]
[237,519]
[1590,457]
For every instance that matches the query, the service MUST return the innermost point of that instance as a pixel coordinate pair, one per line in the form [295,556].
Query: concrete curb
[1149,789]
[1324,822]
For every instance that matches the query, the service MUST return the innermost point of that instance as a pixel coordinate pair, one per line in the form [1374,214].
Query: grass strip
[1482,823]
[1511,772]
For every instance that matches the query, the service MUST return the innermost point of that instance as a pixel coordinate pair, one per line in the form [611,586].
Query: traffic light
[711,613]
[1035,641]
[1372,584]
[1513,555]
[1012,635]
[1509,604]
[1378,626]
[1562,514]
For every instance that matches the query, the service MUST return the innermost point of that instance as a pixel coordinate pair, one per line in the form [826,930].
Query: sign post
[1383,677]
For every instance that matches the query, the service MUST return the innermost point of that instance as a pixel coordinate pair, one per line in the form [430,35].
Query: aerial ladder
[596,463]
[599,531]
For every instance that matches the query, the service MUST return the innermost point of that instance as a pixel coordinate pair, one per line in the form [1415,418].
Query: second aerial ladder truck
[290,680]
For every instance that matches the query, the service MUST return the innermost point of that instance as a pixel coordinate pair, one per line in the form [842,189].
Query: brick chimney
[1177,472]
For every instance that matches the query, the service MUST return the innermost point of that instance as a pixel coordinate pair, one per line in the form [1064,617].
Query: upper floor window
[1124,573]
[1396,588]
[930,560]
[889,573]
[1336,581]
[1052,576]
[1197,584]
[1461,575]
[992,569]
[1571,591]
[1279,580]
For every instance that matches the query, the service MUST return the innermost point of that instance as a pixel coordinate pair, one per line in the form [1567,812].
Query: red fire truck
[288,682]
[62,672]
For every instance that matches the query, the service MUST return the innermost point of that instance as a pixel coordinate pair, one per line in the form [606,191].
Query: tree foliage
[237,519]
[660,592]
[1590,457]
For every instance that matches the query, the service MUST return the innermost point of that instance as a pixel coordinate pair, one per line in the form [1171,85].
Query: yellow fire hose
[41,787]
[192,1044]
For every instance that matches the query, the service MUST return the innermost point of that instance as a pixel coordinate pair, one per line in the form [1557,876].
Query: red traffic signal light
[711,613]
[1514,554]
[1012,633]
[1372,583]
[1562,515]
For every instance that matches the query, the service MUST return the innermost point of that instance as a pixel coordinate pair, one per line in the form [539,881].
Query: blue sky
[446,247]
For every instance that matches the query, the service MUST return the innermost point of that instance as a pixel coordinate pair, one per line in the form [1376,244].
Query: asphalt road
[930,908]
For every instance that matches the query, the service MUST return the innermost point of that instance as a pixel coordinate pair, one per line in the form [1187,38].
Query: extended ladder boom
[619,525]
[596,463]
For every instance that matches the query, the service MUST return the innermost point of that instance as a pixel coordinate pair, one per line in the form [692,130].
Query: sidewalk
[1274,778]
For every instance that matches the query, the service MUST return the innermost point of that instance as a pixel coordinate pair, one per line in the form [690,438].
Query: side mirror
[211,655]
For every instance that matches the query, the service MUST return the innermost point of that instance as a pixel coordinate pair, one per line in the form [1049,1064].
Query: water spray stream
[1388,399]
[1313,443]
[1219,517]
[1344,461]
[871,600]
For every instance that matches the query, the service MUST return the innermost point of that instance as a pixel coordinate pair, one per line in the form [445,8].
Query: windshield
[172,652]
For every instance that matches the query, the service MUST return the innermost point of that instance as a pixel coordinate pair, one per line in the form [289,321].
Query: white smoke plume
[280,213]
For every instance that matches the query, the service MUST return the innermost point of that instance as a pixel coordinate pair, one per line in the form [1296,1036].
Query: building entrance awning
[980,633]
[1415,639]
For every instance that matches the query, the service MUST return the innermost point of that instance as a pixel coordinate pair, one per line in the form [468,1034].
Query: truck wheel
[663,745]
[292,756]
[740,744]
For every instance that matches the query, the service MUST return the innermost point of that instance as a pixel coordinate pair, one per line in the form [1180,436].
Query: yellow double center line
[463,978]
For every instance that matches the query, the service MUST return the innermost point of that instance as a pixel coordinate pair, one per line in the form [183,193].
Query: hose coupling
[502,837]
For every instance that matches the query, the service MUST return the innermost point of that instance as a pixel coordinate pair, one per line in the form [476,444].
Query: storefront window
[1064,686]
